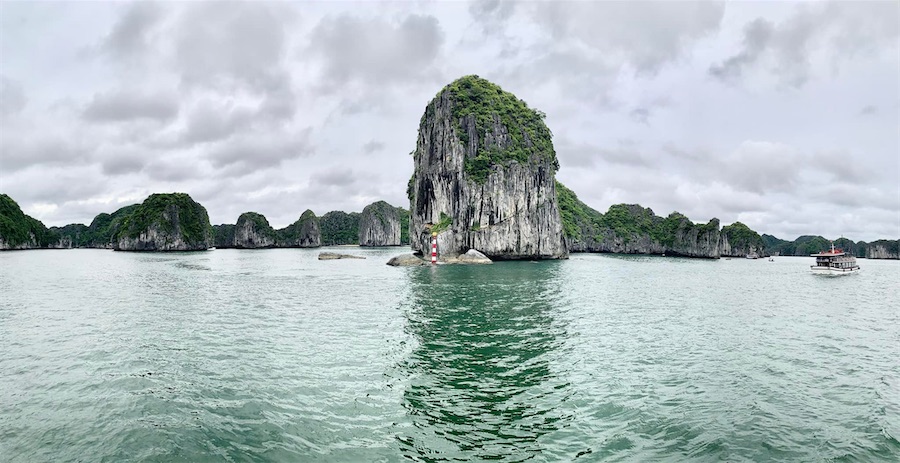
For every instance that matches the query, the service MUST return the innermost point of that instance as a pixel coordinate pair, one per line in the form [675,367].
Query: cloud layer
[784,116]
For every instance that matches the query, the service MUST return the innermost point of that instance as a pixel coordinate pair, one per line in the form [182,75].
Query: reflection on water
[481,381]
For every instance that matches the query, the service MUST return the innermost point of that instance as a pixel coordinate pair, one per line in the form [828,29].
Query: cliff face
[304,233]
[379,225]
[484,176]
[738,240]
[21,231]
[339,227]
[223,236]
[632,229]
[166,222]
[253,231]
[883,249]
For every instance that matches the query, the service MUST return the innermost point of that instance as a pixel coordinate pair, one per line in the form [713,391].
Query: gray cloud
[840,30]
[223,44]
[20,151]
[12,96]
[373,50]
[666,28]
[250,153]
[282,106]
[124,163]
[757,35]
[333,177]
[125,105]
[130,36]
[372,146]
[210,121]
[868,110]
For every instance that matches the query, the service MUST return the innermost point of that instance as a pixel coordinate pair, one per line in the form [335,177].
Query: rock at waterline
[336,256]
[473,257]
[484,176]
[379,225]
[166,222]
[406,260]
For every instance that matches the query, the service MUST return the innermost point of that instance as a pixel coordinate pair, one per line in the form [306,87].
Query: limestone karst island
[483,183]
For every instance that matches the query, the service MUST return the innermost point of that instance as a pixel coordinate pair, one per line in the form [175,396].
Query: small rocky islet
[483,185]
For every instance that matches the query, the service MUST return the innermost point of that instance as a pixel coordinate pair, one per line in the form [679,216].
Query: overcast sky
[785,116]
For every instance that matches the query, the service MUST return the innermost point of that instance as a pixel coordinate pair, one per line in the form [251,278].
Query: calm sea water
[272,355]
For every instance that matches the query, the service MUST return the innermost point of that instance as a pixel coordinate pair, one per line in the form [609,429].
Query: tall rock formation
[738,240]
[223,236]
[883,249]
[339,227]
[379,225]
[166,222]
[21,231]
[304,233]
[252,231]
[632,229]
[484,176]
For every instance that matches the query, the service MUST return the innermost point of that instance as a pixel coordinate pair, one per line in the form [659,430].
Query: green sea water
[272,355]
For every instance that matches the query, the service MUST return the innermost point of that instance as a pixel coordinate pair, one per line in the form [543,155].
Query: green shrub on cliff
[17,228]
[741,236]
[576,215]
[338,227]
[260,224]
[404,225]
[157,211]
[481,100]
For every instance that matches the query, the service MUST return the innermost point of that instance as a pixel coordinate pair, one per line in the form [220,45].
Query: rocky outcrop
[738,240]
[406,260]
[166,222]
[883,249]
[336,256]
[252,231]
[338,228]
[21,231]
[473,257]
[304,233]
[484,176]
[223,236]
[379,225]
[632,229]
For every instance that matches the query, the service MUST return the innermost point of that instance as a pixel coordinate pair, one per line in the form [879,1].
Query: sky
[784,116]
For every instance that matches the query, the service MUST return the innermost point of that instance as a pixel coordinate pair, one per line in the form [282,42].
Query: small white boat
[752,255]
[834,262]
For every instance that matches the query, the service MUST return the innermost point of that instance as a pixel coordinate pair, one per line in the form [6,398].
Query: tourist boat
[834,262]
[752,255]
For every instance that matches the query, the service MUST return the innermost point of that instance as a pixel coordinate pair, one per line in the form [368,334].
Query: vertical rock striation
[166,222]
[738,240]
[304,233]
[379,225]
[883,249]
[484,176]
[252,231]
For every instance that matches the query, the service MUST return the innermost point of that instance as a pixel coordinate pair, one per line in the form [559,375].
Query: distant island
[483,180]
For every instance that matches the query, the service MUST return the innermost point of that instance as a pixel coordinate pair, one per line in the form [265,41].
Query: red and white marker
[434,248]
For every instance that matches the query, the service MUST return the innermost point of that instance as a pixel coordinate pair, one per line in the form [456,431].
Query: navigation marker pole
[434,248]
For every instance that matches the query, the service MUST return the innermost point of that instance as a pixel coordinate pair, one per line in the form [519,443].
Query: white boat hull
[833,271]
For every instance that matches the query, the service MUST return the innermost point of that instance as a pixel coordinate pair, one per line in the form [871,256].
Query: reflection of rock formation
[481,385]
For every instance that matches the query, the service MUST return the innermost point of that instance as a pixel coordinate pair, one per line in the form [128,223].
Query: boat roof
[832,253]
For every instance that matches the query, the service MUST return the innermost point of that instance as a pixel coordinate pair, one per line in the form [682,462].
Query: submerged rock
[335,256]
[166,222]
[484,176]
[407,260]
[379,225]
